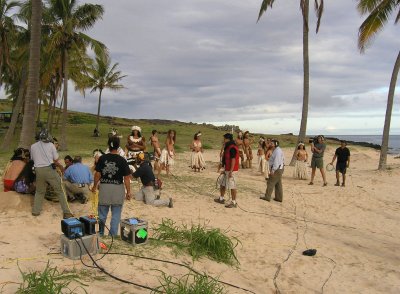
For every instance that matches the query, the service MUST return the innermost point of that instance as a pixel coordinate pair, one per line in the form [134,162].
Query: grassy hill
[81,126]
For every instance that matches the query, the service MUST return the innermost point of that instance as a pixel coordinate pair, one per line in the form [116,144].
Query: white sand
[355,230]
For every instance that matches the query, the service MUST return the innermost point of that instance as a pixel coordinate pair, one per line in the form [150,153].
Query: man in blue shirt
[77,179]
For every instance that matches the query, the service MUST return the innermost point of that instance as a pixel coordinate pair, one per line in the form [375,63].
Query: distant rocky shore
[363,144]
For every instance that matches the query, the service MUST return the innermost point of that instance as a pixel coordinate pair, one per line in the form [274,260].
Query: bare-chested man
[247,141]
[157,150]
[239,143]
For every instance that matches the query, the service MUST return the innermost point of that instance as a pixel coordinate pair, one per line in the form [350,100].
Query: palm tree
[379,12]
[7,32]
[28,123]
[67,21]
[304,7]
[103,76]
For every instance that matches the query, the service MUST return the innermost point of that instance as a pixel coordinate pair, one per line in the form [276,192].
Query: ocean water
[394,140]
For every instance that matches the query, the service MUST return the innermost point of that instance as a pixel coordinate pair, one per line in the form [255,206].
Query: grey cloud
[208,60]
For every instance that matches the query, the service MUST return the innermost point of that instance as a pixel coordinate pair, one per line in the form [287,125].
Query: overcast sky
[209,61]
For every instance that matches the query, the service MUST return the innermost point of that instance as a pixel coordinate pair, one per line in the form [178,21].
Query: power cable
[111,275]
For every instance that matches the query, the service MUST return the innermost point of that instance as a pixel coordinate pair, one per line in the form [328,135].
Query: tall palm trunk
[306,82]
[28,123]
[388,116]
[16,110]
[98,111]
[63,141]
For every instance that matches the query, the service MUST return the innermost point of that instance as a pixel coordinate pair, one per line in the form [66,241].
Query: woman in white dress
[300,169]
[197,160]
[168,153]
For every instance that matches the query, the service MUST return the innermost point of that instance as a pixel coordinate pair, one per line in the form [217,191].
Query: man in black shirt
[343,162]
[147,193]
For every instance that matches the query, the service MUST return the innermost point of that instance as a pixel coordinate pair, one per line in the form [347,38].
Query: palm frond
[319,10]
[264,7]
[87,14]
[367,6]
[304,12]
[374,23]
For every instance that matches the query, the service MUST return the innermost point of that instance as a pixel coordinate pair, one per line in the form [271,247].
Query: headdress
[136,128]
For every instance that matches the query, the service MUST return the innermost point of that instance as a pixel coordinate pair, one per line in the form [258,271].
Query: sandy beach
[355,229]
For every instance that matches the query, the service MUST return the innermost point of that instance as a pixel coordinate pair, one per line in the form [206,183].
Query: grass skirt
[300,170]
[197,161]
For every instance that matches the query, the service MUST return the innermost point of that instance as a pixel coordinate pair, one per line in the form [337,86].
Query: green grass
[190,284]
[198,241]
[50,280]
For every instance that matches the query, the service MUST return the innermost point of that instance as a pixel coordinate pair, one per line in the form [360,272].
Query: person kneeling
[147,193]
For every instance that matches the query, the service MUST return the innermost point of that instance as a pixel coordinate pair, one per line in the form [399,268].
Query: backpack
[21,187]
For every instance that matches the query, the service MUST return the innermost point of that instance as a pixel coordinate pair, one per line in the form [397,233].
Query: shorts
[341,167]
[317,162]
[228,182]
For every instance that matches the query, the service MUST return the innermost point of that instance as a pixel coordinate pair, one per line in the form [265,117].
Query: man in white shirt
[276,163]
[45,158]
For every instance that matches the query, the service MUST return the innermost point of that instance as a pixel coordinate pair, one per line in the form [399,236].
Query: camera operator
[45,158]
[317,148]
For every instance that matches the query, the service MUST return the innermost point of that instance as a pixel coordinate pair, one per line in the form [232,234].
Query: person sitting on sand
[197,160]
[156,148]
[112,179]
[343,162]
[230,162]
[77,180]
[247,141]
[239,144]
[300,168]
[168,153]
[68,161]
[277,165]
[317,160]
[136,143]
[14,168]
[147,193]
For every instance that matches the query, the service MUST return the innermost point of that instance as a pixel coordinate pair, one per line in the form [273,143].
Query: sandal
[310,183]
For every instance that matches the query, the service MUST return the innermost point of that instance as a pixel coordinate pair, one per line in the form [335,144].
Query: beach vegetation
[50,280]
[191,283]
[378,14]
[198,241]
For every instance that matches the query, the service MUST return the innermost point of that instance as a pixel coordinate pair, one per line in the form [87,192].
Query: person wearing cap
[230,162]
[197,161]
[343,162]
[46,160]
[276,166]
[147,193]
[300,168]
[112,179]
[317,160]
[136,143]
